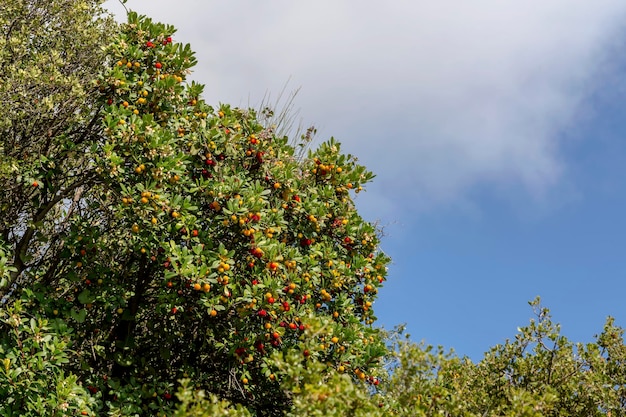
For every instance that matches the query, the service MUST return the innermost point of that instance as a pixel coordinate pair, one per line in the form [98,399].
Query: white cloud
[436,96]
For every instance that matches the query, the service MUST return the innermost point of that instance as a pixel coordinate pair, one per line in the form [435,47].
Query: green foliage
[50,55]
[320,388]
[194,403]
[539,373]
[5,265]
[33,353]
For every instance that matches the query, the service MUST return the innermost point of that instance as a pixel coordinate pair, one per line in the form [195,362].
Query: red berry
[158,65]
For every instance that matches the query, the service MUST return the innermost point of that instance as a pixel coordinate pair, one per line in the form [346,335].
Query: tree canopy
[164,239]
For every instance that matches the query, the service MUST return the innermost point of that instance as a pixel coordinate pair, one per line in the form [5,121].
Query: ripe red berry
[158,65]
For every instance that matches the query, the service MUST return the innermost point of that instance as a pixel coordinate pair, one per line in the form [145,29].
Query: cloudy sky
[495,128]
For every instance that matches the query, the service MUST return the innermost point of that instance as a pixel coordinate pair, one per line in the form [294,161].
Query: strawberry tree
[206,247]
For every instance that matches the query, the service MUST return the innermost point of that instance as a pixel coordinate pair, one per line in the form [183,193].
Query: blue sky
[495,129]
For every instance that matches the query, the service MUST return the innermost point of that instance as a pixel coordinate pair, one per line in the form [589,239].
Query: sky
[495,129]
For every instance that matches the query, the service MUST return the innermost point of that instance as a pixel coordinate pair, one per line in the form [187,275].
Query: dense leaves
[539,373]
[177,241]
[50,118]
